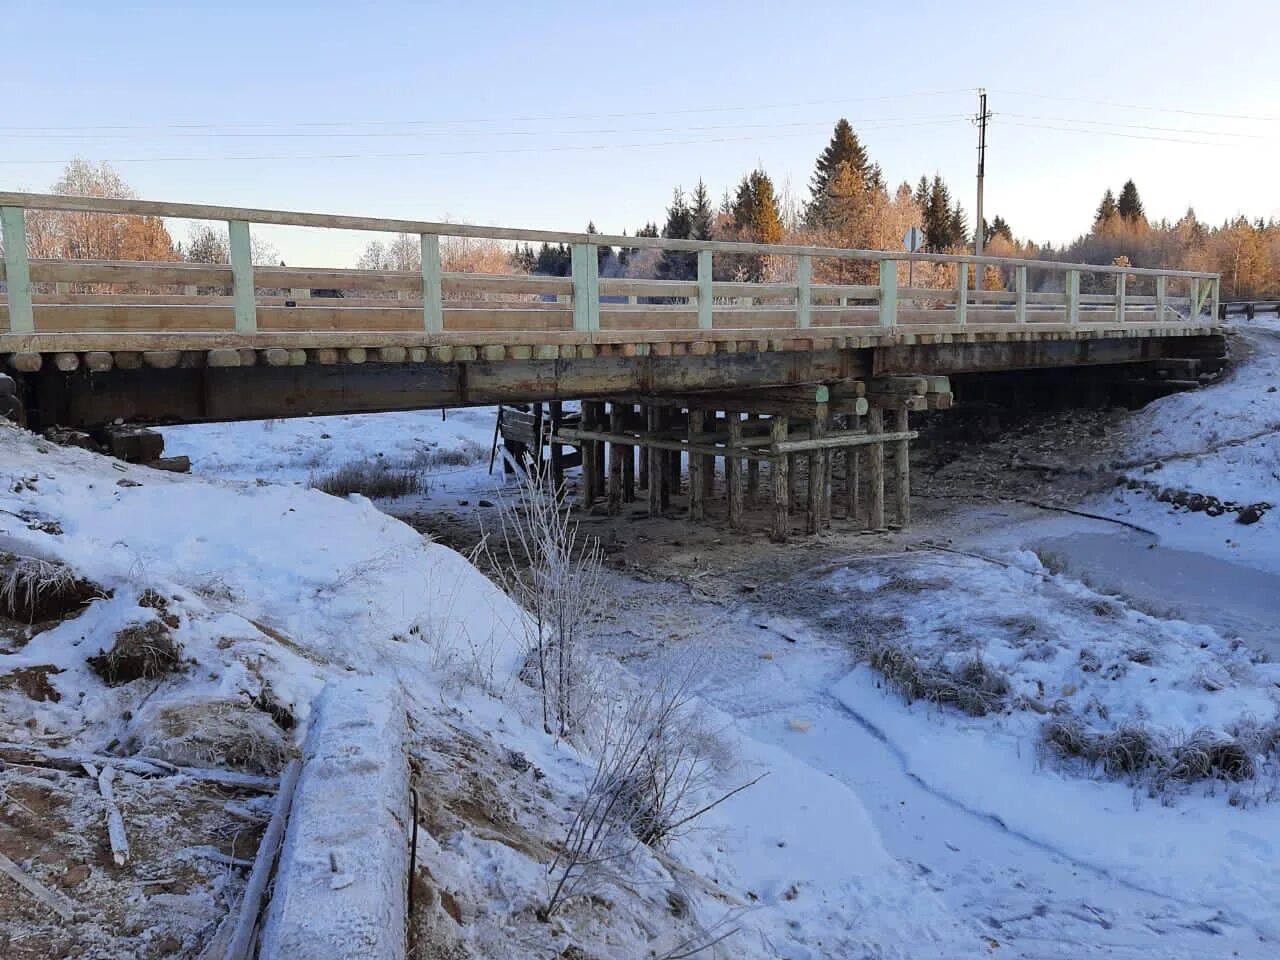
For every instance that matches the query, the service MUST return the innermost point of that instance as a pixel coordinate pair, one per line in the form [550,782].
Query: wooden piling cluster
[717,442]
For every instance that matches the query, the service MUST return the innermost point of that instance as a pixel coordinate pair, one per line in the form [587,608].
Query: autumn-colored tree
[96,236]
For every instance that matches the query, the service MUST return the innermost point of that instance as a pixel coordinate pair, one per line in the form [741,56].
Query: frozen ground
[882,828]
[1022,854]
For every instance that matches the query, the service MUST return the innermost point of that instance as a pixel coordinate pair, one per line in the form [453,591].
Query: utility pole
[983,116]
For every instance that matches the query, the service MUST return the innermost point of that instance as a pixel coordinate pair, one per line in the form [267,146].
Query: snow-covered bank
[265,592]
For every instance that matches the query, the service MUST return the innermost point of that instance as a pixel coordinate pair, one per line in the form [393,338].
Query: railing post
[1193,308]
[432,292]
[1120,291]
[962,293]
[1215,297]
[888,293]
[1020,295]
[242,292]
[1162,296]
[1073,296]
[804,291]
[704,290]
[13,227]
[586,287]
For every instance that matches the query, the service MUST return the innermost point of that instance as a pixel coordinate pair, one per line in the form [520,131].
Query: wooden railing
[66,296]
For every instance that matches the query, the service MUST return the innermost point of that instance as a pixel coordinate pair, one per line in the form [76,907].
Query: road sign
[913,240]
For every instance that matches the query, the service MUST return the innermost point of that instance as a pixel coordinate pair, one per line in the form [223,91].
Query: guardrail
[239,297]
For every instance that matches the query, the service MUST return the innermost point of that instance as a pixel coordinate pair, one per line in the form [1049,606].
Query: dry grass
[34,590]
[141,651]
[974,686]
[370,478]
[1136,752]
[430,458]
[218,733]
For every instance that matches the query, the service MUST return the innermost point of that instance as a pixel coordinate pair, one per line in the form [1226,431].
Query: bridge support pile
[812,440]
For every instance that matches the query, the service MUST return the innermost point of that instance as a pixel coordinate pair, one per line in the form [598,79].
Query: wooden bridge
[96,340]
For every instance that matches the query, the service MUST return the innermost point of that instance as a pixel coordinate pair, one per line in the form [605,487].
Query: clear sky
[549,114]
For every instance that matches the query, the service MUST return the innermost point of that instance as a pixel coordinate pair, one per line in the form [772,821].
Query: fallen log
[263,862]
[55,901]
[74,761]
[115,822]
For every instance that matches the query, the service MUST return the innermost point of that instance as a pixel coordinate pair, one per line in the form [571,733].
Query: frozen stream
[1171,582]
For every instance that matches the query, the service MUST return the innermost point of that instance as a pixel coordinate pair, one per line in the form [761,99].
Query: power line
[1137,106]
[1128,136]
[277,124]
[1136,126]
[460,153]
[866,123]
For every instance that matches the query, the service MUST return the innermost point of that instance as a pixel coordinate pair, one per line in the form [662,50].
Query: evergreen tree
[756,218]
[957,227]
[553,261]
[998,228]
[921,196]
[843,148]
[936,213]
[1129,206]
[1106,209]
[678,264]
[700,212]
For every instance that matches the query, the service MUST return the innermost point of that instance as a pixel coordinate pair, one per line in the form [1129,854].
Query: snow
[339,887]
[879,828]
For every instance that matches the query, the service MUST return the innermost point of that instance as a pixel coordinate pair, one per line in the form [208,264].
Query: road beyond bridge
[814,358]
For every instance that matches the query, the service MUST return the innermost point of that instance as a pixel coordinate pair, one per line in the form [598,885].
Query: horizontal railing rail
[63,295]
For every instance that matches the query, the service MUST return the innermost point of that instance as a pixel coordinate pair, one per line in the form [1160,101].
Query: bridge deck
[60,305]
[97,339]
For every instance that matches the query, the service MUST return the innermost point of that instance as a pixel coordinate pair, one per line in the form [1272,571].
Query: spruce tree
[678,264]
[999,228]
[1129,206]
[937,216]
[843,148]
[700,212]
[1106,209]
[957,227]
[921,196]
[756,218]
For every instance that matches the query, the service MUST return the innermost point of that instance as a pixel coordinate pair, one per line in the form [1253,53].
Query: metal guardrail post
[962,293]
[1020,295]
[432,293]
[1073,296]
[1215,297]
[1162,296]
[888,293]
[1120,296]
[1193,308]
[13,227]
[804,291]
[242,291]
[704,290]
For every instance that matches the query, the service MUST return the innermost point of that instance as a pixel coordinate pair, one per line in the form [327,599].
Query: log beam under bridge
[792,435]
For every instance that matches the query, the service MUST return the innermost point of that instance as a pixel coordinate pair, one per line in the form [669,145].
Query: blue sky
[551,114]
